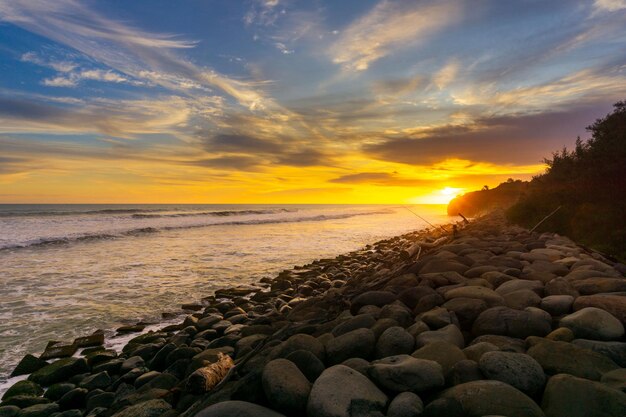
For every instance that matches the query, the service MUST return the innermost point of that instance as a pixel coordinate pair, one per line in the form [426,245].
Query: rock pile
[497,321]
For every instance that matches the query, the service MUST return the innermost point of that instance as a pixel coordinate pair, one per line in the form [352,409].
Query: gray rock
[437,318]
[307,363]
[357,322]
[39,410]
[405,373]
[358,364]
[476,351]
[375,298]
[381,325]
[444,353]
[450,333]
[520,284]
[28,365]
[481,398]
[27,388]
[56,391]
[300,341]
[489,296]
[615,379]
[9,411]
[237,409]
[400,313]
[466,309]
[516,369]
[504,343]
[99,380]
[75,398]
[394,341]
[59,371]
[355,344]
[405,404]
[514,323]
[521,299]
[464,371]
[567,395]
[593,323]
[339,390]
[150,408]
[557,305]
[286,388]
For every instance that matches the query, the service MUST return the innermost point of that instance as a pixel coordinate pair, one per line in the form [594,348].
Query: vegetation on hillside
[479,202]
[589,183]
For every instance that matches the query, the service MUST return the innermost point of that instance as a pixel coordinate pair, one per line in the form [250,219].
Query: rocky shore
[490,320]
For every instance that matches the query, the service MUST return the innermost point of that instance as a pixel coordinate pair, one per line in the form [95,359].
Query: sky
[286,101]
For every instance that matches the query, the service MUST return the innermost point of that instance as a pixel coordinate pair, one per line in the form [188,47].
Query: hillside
[479,202]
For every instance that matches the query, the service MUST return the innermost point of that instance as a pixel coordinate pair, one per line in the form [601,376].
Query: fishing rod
[423,219]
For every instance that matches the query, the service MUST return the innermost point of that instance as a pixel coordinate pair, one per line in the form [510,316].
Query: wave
[64,240]
[211,213]
[74,212]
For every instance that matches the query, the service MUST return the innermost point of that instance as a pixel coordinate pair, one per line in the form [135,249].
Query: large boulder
[506,321]
[593,323]
[25,388]
[481,398]
[490,297]
[566,358]
[567,395]
[616,351]
[299,341]
[405,404]
[444,353]
[286,388]
[614,304]
[59,371]
[516,369]
[450,333]
[405,373]
[374,298]
[394,341]
[341,392]
[355,344]
[237,409]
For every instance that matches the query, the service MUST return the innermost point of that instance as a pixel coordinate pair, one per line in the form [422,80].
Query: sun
[441,196]
[451,191]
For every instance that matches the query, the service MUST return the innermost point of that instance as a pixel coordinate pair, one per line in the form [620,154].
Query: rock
[28,365]
[521,299]
[437,318]
[476,351]
[450,334]
[557,305]
[615,379]
[520,284]
[614,304]
[464,371]
[375,298]
[560,286]
[448,407]
[593,323]
[237,409]
[25,388]
[75,398]
[405,373]
[490,297]
[481,398]
[591,286]
[355,344]
[516,369]
[59,371]
[514,323]
[411,296]
[442,265]
[616,351]
[398,312]
[300,341]
[100,400]
[99,380]
[133,362]
[504,343]
[444,353]
[339,390]
[39,410]
[382,325]
[465,309]
[23,401]
[358,364]
[286,388]
[307,363]
[56,391]
[562,334]
[405,404]
[394,341]
[150,408]
[567,395]
[357,322]
[9,411]
[561,357]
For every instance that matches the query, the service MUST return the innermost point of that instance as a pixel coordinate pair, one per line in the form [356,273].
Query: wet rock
[394,341]
[481,398]
[339,390]
[39,410]
[362,321]
[355,344]
[567,395]
[9,411]
[405,373]
[375,298]
[450,333]
[58,371]
[95,339]
[286,388]
[75,398]
[514,323]
[25,388]
[444,353]
[28,365]
[132,363]
[405,404]
[516,369]
[99,380]
[593,323]
[150,408]
[24,401]
[561,357]
[237,409]
[104,399]
[307,363]
[56,391]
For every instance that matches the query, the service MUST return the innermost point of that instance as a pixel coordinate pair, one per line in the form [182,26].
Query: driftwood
[545,218]
[465,221]
[206,378]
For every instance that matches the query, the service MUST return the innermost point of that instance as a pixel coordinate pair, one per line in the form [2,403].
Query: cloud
[446,75]
[74,78]
[381,179]
[240,143]
[397,86]
[511,139]
[229,163]
[57,65]
[609,5]
[389,26]
[123,48]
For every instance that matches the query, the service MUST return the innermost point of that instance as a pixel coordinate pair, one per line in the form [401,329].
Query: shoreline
[402,306]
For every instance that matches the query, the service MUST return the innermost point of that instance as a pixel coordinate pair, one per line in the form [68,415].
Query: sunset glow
[283,101]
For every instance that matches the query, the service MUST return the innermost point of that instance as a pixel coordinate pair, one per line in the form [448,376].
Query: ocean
[67,270]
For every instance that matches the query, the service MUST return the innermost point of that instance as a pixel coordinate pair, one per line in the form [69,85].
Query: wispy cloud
[389,26]
[609,5]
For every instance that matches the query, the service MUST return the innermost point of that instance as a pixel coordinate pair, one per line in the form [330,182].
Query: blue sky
[295,101]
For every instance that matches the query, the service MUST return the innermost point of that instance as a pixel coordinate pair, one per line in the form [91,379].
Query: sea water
[67,270]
